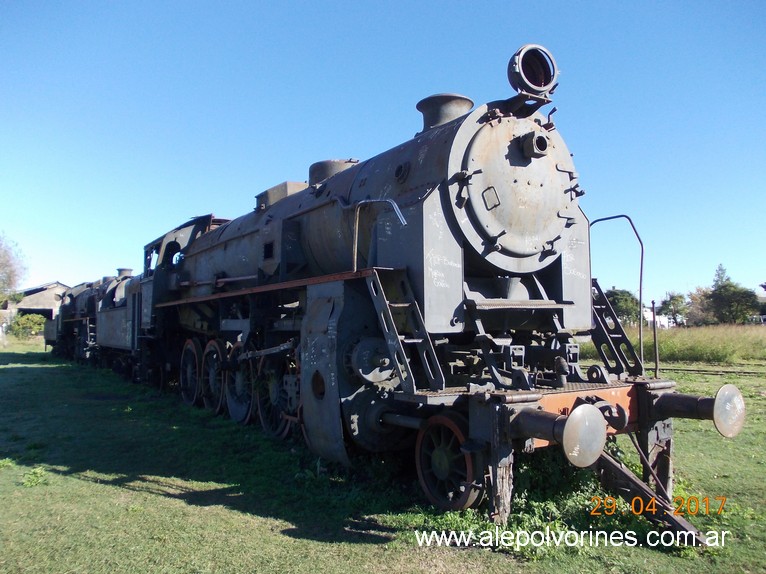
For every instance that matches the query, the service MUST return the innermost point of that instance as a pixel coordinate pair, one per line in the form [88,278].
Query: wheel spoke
[451,479]
[189,372]
[239,394]
[275,402]
[213,376]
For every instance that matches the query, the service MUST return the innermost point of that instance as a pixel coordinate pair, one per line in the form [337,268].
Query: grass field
[719,344]
[99,475]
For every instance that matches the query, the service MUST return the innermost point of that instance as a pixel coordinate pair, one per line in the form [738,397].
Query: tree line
[725,302]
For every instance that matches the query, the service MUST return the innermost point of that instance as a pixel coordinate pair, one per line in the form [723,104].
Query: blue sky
[120,120]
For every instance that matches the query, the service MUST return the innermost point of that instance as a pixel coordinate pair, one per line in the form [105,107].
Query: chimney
[443,108]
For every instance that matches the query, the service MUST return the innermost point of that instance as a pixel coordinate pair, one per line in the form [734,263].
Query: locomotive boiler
[427,298]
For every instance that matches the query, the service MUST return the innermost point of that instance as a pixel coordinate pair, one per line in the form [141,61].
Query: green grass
[99,475]
[720,344]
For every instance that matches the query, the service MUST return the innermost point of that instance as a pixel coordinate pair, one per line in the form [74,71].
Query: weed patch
[35,477]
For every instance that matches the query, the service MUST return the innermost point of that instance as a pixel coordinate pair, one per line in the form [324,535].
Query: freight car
[429,298]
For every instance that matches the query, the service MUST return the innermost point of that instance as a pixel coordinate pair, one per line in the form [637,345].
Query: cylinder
[582,434]
[540,424]
[726,409]
[533,70]
[403,421]
[684,406]
[440,109]
[321,170]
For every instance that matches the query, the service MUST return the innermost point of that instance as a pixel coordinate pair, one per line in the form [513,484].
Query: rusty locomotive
[429,297]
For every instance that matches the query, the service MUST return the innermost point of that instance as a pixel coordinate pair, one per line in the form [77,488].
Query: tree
[700,312]
[11,267]
[624,303]
[25,326]
[728,301]
[720,276]
[674,306]
[732,303]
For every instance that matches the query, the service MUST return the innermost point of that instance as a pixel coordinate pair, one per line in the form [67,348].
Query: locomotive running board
[619,479]
[284,285]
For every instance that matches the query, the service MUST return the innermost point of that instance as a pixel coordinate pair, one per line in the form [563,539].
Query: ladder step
[404,313]
[491,304]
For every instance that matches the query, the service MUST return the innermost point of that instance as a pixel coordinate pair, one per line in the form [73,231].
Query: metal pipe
[684,406]
[640,283]
[648,466]
[540,424]
[582,433]
[656,344]
[398,420]
[357,206]
[726,409]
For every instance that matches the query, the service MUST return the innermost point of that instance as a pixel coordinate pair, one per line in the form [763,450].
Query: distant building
[43,300]
[762,304]
[663,322]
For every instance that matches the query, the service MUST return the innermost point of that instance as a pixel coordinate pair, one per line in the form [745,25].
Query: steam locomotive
[429,297]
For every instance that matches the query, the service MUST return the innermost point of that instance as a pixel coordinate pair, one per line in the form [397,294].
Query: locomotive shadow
[90,425]
[10,358]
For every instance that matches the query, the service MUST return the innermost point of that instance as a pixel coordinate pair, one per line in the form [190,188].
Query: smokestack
[124,272]
[443,108]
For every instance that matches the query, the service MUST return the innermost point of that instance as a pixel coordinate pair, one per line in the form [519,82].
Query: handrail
[357,206]
[640,281]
